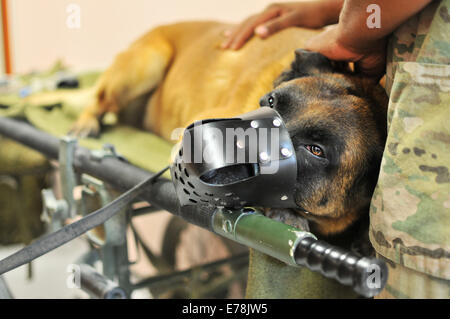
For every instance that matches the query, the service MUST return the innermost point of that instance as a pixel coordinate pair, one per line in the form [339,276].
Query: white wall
[40,35]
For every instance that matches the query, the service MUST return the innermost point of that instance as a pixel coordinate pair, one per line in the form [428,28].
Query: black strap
[54,240]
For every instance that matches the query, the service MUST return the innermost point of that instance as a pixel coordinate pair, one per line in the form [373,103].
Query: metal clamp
[108,150]
[113,244]
[56,211]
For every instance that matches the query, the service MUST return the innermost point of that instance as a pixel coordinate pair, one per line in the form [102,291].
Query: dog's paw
[288,217]
[85,126]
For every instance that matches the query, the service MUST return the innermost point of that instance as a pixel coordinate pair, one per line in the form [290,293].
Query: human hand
[369,57]
[309,14]
[353,40]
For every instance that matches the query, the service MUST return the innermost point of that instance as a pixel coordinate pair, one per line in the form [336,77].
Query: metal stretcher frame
[245,226]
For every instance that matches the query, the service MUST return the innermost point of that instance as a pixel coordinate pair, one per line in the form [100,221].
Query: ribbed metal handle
[98,286]
[367,276]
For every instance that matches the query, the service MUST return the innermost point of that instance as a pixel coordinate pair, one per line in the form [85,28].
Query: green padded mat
[23,172]
[55,113]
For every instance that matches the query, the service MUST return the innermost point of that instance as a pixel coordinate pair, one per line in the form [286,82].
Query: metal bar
[144,211]
[28,135]
[119,174]
[99,286]
[5,293]
[6,37]
[68,178]
[183,275]
[252,229]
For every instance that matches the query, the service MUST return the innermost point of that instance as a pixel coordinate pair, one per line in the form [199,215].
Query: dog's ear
[308,63]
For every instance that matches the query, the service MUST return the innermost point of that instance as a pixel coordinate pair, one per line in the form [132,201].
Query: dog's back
[204,81]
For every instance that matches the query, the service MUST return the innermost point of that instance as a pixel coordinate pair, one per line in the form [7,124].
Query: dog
[336,117]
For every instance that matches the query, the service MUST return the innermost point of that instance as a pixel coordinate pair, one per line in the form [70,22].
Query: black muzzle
[248,160]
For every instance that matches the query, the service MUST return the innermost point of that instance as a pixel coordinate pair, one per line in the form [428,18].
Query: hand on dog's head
[337,122]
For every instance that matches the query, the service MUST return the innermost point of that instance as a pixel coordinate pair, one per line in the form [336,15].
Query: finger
[232,34]
[242,32]
[241,36]
[326,44]
[371,71]
[315,44]
[320,41]
[278,24]
[227,33]
[372,66]
[245,31]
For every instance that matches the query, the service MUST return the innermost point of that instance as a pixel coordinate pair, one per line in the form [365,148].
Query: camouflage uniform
[410,210]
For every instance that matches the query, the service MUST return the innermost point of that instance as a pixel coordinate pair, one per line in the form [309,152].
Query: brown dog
[336,119]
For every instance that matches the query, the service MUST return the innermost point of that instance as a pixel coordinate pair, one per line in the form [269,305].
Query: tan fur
[202,81]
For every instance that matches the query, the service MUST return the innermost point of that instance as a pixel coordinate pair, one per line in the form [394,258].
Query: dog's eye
[315,150]
[271,101]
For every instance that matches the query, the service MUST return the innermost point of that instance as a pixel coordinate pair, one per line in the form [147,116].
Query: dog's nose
[267,100]
[264,101]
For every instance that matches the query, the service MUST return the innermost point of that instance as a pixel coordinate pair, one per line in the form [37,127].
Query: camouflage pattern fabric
[405,283]
[410,209]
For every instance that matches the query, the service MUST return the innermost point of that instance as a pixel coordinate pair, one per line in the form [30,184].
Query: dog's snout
[267,100]
[264,101]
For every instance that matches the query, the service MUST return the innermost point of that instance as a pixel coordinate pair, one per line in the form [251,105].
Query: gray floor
[50,273]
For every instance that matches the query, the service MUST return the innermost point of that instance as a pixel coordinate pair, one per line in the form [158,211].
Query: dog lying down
[336,118]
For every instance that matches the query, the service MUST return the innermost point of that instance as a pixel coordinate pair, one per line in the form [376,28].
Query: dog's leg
[134,72]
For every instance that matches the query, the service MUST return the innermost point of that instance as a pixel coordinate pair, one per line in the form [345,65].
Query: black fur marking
[323,201]
[309,63]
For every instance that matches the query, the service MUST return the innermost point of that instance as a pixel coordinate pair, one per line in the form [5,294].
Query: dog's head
[337,122]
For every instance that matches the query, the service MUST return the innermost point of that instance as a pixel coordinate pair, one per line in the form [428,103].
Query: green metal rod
[251,228]
[295,247]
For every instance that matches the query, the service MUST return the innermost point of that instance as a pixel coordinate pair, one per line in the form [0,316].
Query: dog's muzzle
[248,160]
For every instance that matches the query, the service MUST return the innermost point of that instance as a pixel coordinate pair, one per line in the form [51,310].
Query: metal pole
[5,293]
[117,173]
[99,286]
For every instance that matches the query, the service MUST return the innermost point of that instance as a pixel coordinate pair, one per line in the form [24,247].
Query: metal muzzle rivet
[286,152]
[254,124]
[264,157]
[240,144]
[284,197]
[276,122]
